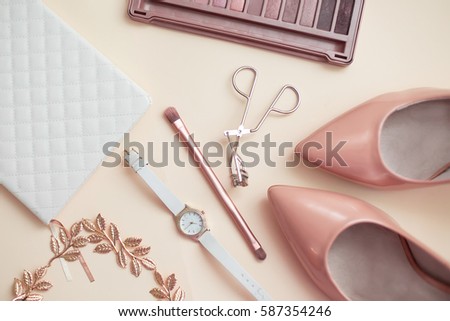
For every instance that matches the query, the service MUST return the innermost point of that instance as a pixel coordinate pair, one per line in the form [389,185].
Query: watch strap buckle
[133,160]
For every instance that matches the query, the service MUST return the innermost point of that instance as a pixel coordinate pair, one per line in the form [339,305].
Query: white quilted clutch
[60,101]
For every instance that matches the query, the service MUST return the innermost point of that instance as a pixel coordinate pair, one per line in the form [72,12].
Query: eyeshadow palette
[323,30]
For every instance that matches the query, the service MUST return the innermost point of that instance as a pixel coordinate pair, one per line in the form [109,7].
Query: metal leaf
[101,223]
[159,278]
[88,225]
[54,245]
[39,273]
[141,251]
[171,281]
[34,297]
[132,241]
[114,232]
[27,278]
[159,293]
[135,267]
[43,286]
[103,248]
[80,241]
[122,258]
[61,244]
[95,238]
[20,297]
[148,264]
[71,255]
[63,236]
[18,287]
[179,295]
[75,229]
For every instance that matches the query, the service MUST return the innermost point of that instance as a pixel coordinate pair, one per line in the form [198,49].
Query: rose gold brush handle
[174,118]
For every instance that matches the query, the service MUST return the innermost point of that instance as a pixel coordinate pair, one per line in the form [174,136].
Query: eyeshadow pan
[255,7]
[344,17]
[291,10]
[237,5]
[273,9]
[326,15]
[309,13]
[220,3]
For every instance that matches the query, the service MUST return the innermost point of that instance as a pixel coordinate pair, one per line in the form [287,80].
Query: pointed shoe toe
[398,139]
[354,251]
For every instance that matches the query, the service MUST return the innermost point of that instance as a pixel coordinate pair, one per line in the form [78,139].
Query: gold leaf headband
[67,244]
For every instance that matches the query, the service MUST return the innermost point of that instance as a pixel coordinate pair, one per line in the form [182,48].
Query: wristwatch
[192,223]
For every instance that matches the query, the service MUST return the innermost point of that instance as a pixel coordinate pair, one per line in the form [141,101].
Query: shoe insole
[415,140]
[368,262]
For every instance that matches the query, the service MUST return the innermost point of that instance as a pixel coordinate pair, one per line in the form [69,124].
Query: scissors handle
[272,107]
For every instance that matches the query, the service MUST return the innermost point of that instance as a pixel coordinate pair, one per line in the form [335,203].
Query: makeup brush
[174,118]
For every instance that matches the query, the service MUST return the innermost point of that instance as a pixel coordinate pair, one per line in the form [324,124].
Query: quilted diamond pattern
[60,101]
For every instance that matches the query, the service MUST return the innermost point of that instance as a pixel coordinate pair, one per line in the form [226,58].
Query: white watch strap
[164,194]
[213,247]
[206,239]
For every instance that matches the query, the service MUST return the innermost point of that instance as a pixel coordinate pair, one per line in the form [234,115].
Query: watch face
[191,223]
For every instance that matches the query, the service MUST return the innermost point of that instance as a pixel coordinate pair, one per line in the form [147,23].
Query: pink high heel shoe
[354,251]
[398,139]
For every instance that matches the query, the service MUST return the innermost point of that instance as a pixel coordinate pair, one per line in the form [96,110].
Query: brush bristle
[172,114]
[261,254]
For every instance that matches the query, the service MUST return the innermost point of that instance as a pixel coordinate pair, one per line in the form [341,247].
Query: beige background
[402,44]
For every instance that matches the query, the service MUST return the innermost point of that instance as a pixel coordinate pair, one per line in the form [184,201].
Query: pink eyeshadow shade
[237,5]
[273,9]
[202,1]
[309,13]
[291,10]
[220,3]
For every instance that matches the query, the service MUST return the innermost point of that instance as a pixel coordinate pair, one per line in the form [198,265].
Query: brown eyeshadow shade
[255,7]
[273,9]
[309,13]
[291,10]
[220,3]
[202,1]
[326,15]
[237,5]
[344,17]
